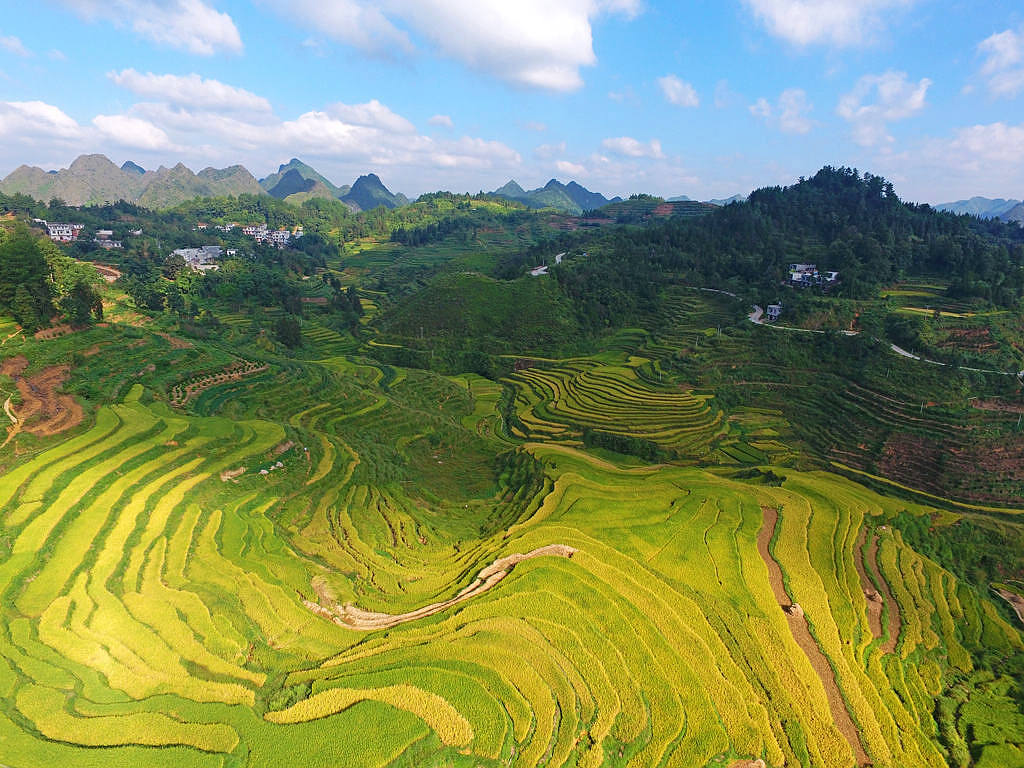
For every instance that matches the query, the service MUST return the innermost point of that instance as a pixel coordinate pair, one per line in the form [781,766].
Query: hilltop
[571,198]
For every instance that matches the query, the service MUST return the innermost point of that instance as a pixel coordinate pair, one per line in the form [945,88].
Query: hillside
[369,192]
[358,503]
[294,167]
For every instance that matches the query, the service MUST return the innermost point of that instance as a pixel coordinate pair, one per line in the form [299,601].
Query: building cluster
[277,237]
[60,232]
[105,240]
[807,275]
[203,259]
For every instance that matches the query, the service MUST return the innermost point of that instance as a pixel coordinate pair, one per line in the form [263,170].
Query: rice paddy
[200,580]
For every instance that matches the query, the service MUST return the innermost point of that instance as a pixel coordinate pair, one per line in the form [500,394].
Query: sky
[705,98]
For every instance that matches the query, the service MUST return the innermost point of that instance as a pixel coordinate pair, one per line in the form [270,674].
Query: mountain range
[569,198]
[985,208]
[94,179]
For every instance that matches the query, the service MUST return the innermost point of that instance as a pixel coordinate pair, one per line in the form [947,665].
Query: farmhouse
[773,313]
[806,275]
[202,259]
[63,233]
[539,271]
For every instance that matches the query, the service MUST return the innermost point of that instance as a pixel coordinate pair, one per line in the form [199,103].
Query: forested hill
[838,219]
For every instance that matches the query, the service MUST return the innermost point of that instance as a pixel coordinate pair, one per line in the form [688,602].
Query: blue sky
[699,98]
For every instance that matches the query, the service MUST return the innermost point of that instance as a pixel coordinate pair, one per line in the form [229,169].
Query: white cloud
[570,169]
[548,151]
[831,22]
[12,44]
[975,160]
[1003,67]
[789,115]
[190,91]
[678,92]
[132,132]
[444,121]
[28,120]
[535,126]
[627,146]
[877,100]
[191,25]
[531,43]
[56,55]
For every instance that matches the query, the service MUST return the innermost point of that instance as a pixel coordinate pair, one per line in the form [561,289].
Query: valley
[389,500]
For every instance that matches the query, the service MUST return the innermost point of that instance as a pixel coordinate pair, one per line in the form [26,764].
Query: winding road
[756,316]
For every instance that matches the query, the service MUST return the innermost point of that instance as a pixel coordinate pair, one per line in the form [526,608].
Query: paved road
[757,317]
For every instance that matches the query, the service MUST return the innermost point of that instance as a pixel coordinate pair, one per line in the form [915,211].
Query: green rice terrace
[334,527]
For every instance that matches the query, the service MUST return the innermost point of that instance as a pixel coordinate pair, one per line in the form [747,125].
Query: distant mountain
[982,207]
[571,198]
[369,192]
[306,172]
[93,179]
[727,200]
[1014,214]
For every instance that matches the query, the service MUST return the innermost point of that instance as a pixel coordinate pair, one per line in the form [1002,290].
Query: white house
[63,233]
[774,312]
[538,271]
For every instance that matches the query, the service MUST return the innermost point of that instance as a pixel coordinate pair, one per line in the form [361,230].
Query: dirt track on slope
[894,610]
[1016,602]
[351,617]
[43,411]
[871,596]
[802,635]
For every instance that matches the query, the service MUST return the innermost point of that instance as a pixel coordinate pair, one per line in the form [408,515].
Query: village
[203,258]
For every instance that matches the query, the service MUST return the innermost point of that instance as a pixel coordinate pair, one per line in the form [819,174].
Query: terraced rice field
[559,403]
[170,580]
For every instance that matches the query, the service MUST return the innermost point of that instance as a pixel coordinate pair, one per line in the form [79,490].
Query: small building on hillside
[202,259]
[539,271]
[63,233]
[773,313]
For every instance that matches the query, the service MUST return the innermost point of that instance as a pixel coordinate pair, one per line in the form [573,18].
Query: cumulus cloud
[1003,67]
[830,22]
[444,121]
[12,44]
[789,114]
[678,92]
[531,43]
[626,146]
[191,25]
[877,100]
[132,132]
[570,169]
[28,120]
[189,91]
[984,159]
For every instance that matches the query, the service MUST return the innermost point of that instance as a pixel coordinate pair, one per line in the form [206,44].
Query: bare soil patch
[182,393]
[1016,602]
[175,342]
[107,272]
[893,624]
[351,617]
[43,410]
[871,596]
[802,635]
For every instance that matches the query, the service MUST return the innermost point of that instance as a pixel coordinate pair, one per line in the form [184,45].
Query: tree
[80,303]
[289,332]
[25,310]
